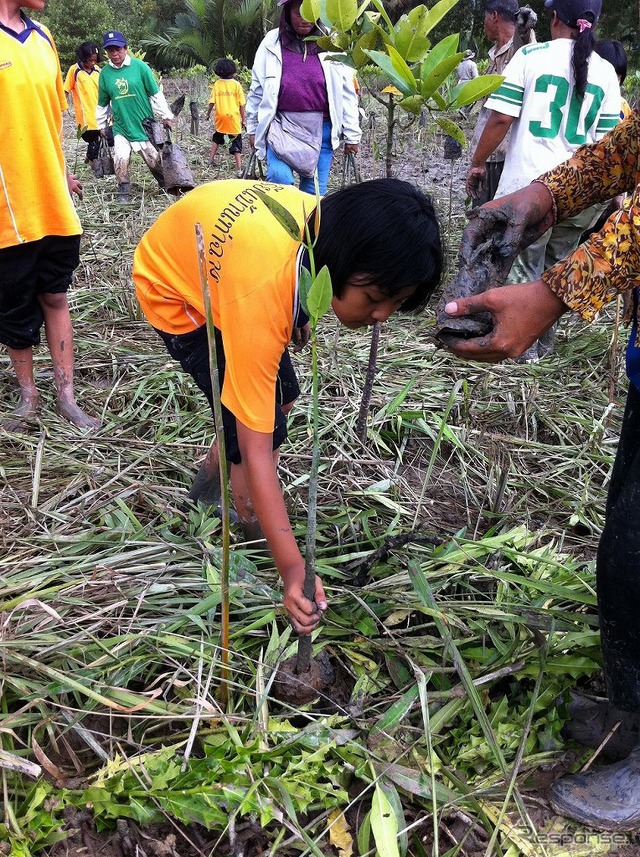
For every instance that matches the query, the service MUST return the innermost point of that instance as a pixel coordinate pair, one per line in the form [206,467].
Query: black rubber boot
[124,191]
[606,798]
[592,723]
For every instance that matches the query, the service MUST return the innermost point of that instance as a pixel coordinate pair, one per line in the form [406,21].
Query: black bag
[350,170]
[253,167]
[178,178]
[104,162]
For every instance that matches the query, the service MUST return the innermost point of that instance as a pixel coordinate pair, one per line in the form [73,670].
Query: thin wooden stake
[224,490]
[361,423]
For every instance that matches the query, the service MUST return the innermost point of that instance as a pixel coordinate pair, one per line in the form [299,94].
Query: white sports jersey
[551,121]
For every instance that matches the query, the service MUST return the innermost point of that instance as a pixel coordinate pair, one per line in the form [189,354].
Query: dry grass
[109,581]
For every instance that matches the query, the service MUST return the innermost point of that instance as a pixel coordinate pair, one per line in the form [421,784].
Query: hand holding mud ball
[607,264]
[381,243]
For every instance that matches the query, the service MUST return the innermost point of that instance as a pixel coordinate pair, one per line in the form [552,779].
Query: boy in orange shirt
[227,98]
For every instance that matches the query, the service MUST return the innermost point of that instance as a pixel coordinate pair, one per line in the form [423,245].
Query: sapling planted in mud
[315,297]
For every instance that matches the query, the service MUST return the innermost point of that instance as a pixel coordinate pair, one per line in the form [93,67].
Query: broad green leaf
[437,12]
[341,13]
[385,62]
[379,6]
[310,10]
[439,74]
[281,214]
[384,824]
[412,104]
[444,49]
[452,130]
[367,40]
[402,68]
[320,294]
[472,90]
[411,34]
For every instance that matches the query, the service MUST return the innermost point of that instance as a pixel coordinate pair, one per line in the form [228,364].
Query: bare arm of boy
[269,506]
[209,110]
[243,116]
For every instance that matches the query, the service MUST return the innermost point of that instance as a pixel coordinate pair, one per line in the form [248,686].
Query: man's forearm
[494,133]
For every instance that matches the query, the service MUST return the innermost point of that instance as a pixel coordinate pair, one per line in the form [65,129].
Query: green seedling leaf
[412,104]
[411,34]
[452,130]
[442,51]
[379,6]
[472,90]
[384,824]
[402,68]
[342,13]
[310,10]
[281,214]
[319,295]
[387,65]
[366,41]
[440,73]
[437,12]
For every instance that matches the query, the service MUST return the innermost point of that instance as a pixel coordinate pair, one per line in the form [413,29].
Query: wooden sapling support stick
[361,423]
[224,489]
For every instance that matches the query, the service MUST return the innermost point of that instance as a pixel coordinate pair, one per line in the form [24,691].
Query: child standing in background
[227,98]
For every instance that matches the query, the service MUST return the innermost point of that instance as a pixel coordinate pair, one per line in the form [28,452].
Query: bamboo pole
[222,458]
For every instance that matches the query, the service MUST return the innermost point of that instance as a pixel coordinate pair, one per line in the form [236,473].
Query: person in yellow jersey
[227,98]
[81,83]
[39,228]
[380,241]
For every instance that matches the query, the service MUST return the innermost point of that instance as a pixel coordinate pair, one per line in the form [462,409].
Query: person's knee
[52,301]
[279,173]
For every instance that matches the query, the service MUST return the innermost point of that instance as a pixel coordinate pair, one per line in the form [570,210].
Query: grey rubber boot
[599,725]
[124,191]
[606,798]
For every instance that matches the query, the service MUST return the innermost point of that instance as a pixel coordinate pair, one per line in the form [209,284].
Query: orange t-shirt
[34,196]
[252,278]
[227,97]
[83,86]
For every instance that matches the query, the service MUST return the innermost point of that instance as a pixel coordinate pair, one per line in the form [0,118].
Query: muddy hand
[305,615]
[300,336]
[521,314]
[476,181]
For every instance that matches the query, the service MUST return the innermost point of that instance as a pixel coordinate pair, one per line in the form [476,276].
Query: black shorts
[236,142]
[191,350]
[27,271]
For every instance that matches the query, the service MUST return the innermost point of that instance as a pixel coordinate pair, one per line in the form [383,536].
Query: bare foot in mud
[206,485]
[74,413]
[24,411]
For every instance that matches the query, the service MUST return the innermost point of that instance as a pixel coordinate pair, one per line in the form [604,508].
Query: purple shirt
[302,87]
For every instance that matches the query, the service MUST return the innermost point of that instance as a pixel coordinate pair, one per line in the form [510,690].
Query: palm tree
[208,30]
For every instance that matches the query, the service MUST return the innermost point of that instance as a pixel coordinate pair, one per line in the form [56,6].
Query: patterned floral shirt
[609,262]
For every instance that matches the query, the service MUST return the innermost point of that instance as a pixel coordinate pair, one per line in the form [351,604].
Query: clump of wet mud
[327,684]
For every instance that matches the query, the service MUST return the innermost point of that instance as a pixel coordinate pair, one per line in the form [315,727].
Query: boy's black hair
[85,50]
[225,68]
[387,230]
[613,51]
[506,9]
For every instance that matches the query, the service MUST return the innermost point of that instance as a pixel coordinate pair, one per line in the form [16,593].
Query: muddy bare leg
[22,362]
[59,333]
[206,485]
[244,505]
